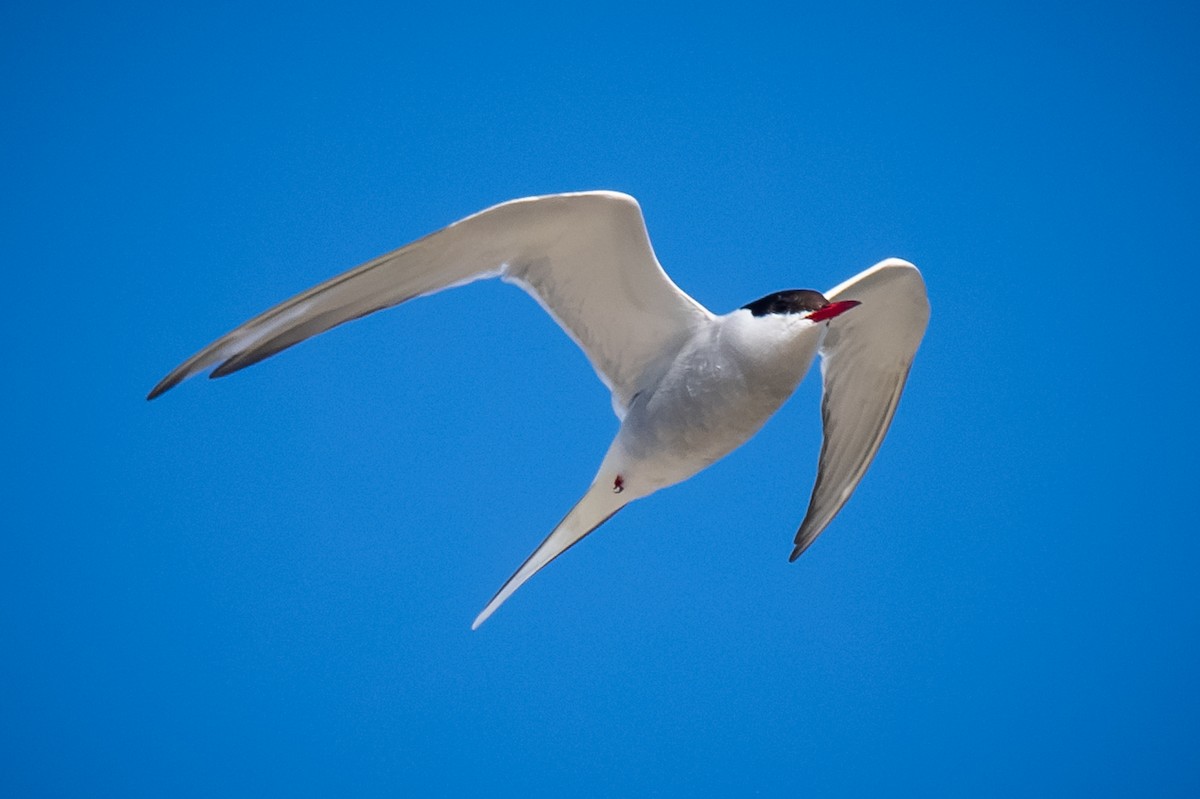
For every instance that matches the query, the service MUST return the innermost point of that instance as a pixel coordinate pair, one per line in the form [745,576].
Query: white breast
[721,387]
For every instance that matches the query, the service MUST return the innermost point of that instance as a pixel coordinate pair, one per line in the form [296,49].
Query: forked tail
[595,508]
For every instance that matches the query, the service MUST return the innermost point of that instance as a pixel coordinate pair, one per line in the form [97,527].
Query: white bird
[688,386]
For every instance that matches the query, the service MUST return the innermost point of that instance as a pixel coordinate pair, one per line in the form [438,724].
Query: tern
[688,386]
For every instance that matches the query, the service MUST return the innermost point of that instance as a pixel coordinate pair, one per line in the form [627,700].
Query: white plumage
[689,386]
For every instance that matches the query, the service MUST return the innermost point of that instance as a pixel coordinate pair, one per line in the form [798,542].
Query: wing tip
[175,378]
[894,263]
[166,384]
[804,540]
[229,367]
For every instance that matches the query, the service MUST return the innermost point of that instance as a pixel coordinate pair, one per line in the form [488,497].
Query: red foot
[618,484]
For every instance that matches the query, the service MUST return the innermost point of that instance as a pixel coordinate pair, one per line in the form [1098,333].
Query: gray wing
[585,257]
[865,360]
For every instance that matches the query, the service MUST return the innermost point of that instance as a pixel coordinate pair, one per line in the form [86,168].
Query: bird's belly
[704,407]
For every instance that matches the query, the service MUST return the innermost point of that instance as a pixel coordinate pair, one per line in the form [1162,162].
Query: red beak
[832,309]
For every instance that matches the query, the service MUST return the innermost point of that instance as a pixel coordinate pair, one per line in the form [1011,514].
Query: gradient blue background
[264,585]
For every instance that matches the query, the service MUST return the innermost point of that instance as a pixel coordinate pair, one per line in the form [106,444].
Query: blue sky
[263,585]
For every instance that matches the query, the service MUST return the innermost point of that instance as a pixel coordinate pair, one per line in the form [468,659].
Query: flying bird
[688,386]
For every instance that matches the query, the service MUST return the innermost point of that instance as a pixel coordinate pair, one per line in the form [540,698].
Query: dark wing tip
[800,548]
[166,384]
[245,359]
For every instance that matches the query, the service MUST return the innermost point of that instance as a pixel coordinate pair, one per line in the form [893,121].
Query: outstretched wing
[865,360]
[585,257]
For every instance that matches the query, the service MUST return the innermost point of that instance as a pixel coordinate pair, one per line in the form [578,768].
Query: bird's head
[805,303]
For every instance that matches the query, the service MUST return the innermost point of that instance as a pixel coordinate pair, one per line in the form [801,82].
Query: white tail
[595,508]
